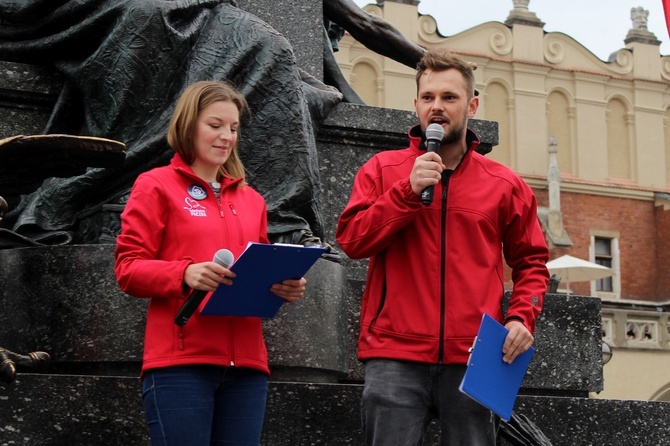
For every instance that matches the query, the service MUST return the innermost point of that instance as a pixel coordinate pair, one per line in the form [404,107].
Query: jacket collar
[179,165]
[417,139]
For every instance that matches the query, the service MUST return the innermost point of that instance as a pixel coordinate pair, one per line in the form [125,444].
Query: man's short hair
[441,59]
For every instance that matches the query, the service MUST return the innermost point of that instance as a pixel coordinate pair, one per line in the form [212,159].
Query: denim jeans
[204,405]
[400,398]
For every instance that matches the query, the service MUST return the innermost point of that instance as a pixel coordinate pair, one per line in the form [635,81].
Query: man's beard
[455,133]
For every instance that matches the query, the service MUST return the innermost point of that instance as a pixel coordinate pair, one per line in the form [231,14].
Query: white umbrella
[571,269]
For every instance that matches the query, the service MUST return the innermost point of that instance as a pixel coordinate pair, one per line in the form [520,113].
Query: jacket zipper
[236,221]
[443,262]
[231,331]
[222,215]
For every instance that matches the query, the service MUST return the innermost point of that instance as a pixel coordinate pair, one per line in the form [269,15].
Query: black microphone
[224,258]
[434,135]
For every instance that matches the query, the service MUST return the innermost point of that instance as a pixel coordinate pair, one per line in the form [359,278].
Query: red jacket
[434,270]
[166,226]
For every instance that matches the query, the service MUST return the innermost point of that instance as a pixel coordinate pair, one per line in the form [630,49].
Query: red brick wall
[644,247]
[663,251]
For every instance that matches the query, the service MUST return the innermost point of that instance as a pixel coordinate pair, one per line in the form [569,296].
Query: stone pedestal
[54,410]
[301,22]
[308,340]
[64,300]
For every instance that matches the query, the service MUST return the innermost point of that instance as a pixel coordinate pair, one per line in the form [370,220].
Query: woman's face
[215,135]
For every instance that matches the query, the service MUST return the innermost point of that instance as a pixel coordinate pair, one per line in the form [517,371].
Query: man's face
[443,98]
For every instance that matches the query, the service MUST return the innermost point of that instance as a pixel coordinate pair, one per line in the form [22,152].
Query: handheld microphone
[434,135]
[224,258]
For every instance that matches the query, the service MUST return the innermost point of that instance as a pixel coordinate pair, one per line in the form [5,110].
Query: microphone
[224,258]
[434,135]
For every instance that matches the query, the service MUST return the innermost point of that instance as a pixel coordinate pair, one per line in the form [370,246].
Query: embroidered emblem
[197,192]
[195,208]
[535,300]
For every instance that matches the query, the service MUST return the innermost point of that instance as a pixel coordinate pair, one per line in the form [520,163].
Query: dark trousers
[400,399]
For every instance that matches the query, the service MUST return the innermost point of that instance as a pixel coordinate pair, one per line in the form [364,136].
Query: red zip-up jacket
[434,270]
[172,219]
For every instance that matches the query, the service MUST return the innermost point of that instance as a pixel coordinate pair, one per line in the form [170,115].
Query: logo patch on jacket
[195,208]
[197,192]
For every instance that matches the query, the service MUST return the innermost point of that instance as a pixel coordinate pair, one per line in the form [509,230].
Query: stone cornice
[404,2]
[614,190]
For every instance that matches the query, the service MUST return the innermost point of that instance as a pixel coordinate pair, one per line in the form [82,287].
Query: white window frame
[616,262]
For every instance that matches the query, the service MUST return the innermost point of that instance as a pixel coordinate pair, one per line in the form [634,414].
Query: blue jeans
[204,405]
[400,398]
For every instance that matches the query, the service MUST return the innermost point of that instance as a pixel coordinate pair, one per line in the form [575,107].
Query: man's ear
[473,106]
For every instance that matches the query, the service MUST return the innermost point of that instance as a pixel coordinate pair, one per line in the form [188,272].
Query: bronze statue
[374,32]
[126,61]
[4,207]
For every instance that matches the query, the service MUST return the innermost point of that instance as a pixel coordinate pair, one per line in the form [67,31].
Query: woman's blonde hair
[181,130]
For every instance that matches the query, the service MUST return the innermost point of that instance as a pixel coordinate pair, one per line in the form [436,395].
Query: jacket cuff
[407,191]
[514,318]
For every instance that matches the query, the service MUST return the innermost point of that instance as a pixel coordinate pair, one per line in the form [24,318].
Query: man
[435,269]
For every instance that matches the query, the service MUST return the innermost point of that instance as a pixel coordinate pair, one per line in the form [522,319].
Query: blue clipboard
[260,266]
[488,380]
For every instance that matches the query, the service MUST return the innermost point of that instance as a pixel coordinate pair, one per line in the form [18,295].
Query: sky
[599,25]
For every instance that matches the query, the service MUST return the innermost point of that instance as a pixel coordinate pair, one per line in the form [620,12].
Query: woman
[204,382]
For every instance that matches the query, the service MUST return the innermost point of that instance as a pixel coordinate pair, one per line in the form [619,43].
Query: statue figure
[521,5]
[374,32]
[125,62]
[10,362]
[4,207]
[639,17]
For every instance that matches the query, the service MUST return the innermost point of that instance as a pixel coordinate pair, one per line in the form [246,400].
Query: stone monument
[64,300]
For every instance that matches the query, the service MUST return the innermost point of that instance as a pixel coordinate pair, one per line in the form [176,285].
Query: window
[603,250]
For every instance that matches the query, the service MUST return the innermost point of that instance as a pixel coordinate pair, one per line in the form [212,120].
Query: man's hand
[518,340]
[427,171]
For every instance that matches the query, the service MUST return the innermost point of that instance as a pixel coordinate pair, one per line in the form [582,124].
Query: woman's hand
[290,290]
[207,276]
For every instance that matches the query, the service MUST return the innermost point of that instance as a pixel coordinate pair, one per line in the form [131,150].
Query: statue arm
[375,33]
